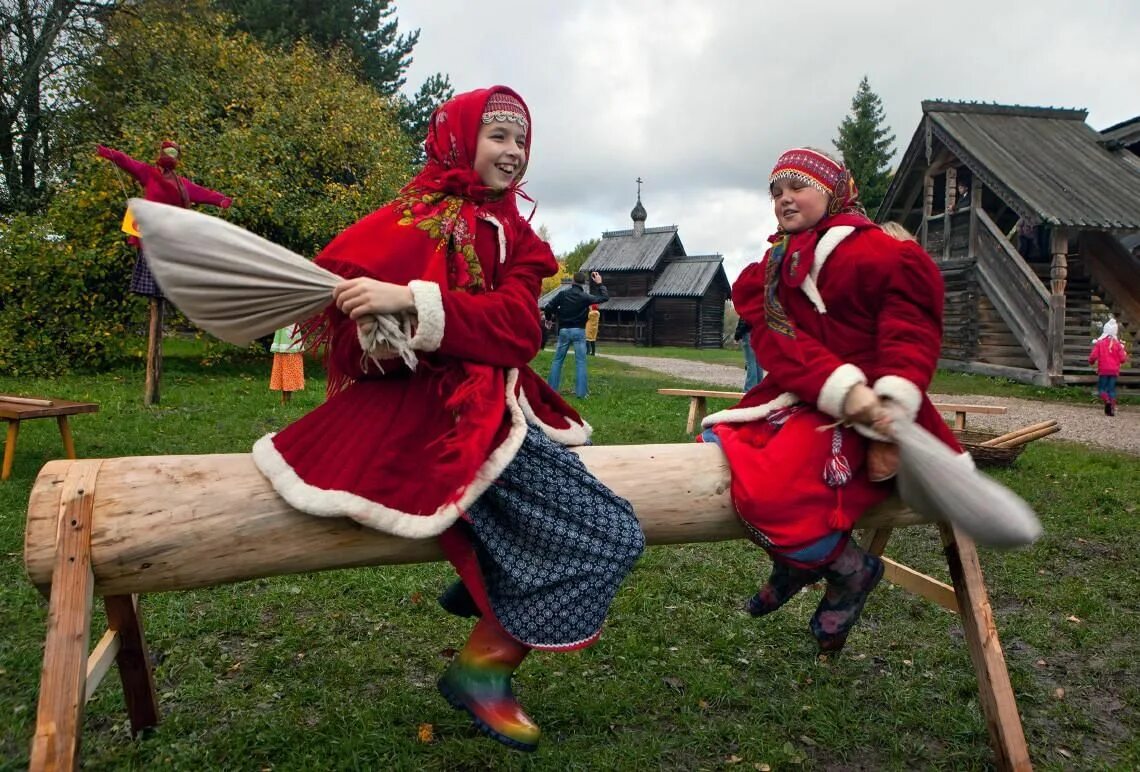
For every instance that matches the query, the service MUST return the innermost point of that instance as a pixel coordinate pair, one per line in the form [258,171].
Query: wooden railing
[1016,292]
[1116,272]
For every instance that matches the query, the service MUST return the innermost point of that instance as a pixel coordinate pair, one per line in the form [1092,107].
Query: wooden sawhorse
[95,528]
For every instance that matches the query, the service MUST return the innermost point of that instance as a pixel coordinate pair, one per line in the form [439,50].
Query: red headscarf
[428,231]
[831,178]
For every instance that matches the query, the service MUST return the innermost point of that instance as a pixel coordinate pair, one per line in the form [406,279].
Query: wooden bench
[698,406]
[17,409]
[97,528]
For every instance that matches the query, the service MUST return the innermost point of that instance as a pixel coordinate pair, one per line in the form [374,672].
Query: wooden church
[1032,216]
[659,295]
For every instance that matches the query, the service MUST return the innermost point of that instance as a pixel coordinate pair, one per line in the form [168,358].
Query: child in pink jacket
[1108,355]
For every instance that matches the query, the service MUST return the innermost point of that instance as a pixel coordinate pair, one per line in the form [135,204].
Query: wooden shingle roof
[689,276]
[622,251]
[1046,163]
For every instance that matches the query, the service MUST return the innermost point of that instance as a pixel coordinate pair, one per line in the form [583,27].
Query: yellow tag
[129,226]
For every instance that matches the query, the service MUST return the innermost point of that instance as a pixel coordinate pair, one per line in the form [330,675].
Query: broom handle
[1024,438]
[997,441]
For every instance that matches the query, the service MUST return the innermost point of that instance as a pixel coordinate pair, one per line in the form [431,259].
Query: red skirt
[778,485]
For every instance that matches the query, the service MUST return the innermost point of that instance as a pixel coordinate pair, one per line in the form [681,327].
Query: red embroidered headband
[504,107]
[810,167]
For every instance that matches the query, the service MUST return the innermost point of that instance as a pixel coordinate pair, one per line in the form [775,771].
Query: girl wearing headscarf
[845,319]
[1108,354]
[469,445]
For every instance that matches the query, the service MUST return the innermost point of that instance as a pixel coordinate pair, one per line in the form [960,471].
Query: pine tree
[865,143]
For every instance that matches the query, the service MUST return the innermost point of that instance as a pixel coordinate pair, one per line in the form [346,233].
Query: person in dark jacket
[572,308]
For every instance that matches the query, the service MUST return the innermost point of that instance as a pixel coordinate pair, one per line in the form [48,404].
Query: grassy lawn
[337,670]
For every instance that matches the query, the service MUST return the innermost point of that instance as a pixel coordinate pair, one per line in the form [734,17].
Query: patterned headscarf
[823,173]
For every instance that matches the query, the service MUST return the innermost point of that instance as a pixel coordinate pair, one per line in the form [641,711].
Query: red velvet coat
[870,312]
[407,452]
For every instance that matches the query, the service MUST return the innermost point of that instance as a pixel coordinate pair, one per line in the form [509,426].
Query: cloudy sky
[699,98]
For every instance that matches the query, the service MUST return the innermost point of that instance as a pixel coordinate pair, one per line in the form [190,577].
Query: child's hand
[358,297]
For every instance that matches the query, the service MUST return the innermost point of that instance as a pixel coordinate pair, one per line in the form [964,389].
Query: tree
[367,29]
[42,43]
[866,146]
[304,148]
[576,257]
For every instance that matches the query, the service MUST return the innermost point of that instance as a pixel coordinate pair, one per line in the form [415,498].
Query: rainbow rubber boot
[479,681]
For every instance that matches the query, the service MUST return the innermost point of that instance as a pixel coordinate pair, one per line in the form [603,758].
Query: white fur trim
[904,393]
[812,291]
[576,434]
[332,503]
[835,388]
[826,245]
[429,315]
[741,415]
[502,234]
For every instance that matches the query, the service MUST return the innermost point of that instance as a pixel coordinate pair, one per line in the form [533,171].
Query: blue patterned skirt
[142,280]
[553,544]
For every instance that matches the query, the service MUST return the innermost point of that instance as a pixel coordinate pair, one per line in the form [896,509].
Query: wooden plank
[920,584]
[99,662]
[63,681]
[134,662]
[990,409]
[701,393]
[994,689]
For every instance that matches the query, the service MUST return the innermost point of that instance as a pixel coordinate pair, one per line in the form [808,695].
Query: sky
[700,98]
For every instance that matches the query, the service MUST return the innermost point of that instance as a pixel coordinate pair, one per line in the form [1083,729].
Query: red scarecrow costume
[468,445]
[160,183]
[837,304]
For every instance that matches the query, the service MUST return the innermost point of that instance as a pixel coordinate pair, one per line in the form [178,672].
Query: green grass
[337,670]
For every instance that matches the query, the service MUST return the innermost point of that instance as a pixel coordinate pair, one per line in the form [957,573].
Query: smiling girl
[845,319]
[469,445]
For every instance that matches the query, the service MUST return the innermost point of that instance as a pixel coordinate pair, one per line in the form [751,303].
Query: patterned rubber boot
[782,585]
[1111,407]
[479,682]
[850,579]
[458,601]
[1107,407]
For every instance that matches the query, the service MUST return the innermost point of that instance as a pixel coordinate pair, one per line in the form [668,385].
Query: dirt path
[1080,423]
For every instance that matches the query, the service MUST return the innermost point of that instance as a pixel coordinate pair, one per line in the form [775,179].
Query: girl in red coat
[1108,354]
[163,184]
[845,318]
[464,442]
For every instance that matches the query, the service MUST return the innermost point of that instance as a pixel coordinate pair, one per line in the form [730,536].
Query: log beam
[199,533]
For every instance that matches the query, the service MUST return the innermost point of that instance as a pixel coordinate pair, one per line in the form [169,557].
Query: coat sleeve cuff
[835,388]
[429,315]
[904,393]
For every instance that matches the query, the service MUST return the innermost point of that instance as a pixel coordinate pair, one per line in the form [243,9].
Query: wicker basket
[983,455]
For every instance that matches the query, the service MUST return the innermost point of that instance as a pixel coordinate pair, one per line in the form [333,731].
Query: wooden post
[927,206]
[975,207]
[1059,275]
[63,683]
[951,198]
[65,433]
[994,689]
[10,447]
[154,353]
[133,660]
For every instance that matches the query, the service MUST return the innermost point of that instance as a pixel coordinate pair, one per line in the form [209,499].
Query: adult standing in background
[572,309]
[752,370]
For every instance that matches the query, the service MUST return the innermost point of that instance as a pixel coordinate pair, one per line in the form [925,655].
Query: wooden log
[179,522]
[1030,437]
[26,400]
[997,441]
